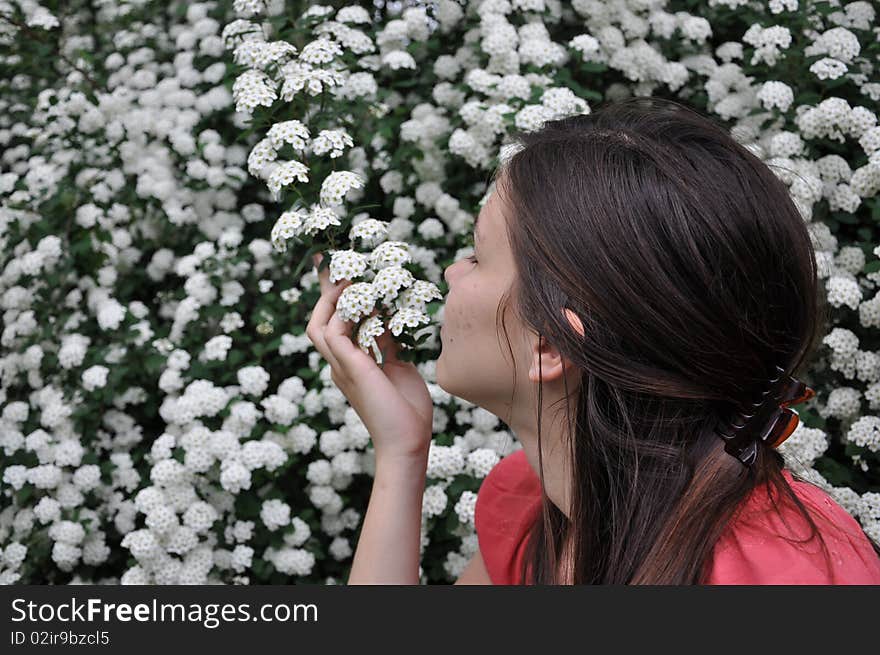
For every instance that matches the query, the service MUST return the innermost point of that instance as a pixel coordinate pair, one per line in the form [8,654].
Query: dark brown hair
[693,273]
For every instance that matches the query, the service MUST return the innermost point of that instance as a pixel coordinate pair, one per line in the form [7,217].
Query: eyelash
[472,259]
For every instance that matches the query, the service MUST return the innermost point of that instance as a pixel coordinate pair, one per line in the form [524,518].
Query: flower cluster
[315,225]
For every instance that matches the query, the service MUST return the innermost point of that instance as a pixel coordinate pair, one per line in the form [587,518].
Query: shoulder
[767,544]
[507,503]
[513,474]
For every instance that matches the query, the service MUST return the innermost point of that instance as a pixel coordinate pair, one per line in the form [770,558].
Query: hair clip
[766,418]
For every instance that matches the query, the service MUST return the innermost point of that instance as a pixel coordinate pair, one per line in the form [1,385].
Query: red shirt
[750,552]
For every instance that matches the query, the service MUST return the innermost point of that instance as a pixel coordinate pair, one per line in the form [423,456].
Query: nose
[446,272]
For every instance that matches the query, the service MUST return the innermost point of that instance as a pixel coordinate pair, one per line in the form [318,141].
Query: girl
[648,273]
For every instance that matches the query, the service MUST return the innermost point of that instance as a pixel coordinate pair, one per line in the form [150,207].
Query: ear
[546,361]
[547,356]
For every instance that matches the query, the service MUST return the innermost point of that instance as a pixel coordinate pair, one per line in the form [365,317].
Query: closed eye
[471,259]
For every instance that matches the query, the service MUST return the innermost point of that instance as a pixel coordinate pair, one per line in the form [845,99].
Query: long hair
[693,274]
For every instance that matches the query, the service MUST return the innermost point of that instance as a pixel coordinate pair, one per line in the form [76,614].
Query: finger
[323,276]
[321,313]
[350,357]
[316,336]
[326,306]
[330,293]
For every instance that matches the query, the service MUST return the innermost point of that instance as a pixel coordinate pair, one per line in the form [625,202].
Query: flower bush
[168,169]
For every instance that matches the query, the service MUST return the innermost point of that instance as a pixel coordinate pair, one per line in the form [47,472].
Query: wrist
[402,466]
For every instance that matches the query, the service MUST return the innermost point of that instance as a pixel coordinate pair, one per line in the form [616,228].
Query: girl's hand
[392,401]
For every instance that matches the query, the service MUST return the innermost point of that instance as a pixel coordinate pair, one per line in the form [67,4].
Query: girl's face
[475,363]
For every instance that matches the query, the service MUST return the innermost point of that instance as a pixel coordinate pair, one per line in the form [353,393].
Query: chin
[438,373]
[440,376]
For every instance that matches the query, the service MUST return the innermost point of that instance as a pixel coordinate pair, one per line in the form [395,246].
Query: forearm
[388,548]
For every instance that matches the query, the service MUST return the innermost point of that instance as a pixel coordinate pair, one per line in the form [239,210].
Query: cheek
[460,313]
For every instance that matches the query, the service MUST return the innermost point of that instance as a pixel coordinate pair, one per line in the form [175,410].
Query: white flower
[464,508]
[234,477]
[279,410]
[252,89]
[231,321]
[110,314]
[838,43]
[48,510]
[95,377]
[262,154]
[242,557]
[406,316]
[14,554]
[292,132]
[275,514]
[778,6]
[291,344]
[142,544]
[249,8]
[284,173]
[390,280]
[216,348]
[370,230]
[336,185]
[261,54]
[431,228]
[532,117]
[332,141]
[434,501]
[254,380]
[444,461]
[828,68]
[162,520]
[340,548]
[390,253]
[481,460]
[356,301]
[347,265]
[293,561]
[397,59]
[289,225]
[320,218]
[87,477]
[865,432]
[588,46]
[320,51]
[366,336]
[73,350]
[870,140]
[419,294]
[200,516]
[776,94]
[767,42]
[300,76]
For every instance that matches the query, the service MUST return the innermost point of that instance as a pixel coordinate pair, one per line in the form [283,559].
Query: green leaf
[835,472]
[846,218]
[592,67]
[24,494]
[247,506]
